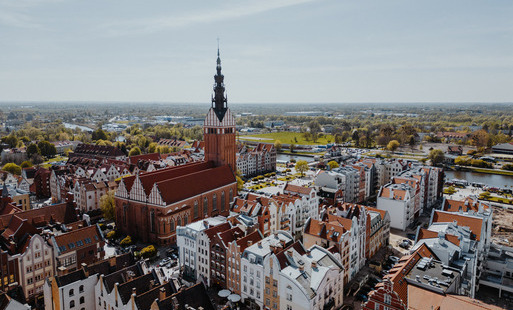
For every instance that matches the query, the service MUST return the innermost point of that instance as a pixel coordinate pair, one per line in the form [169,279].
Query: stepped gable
[149,178]
[475,224]
[186,186]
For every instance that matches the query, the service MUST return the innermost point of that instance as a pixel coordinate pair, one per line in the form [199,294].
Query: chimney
[308,253]
[301,268]
[259,244]
[152,283]
[134,291]
[282,243]
[289,253]
[250,243]
[314,265]
[162,293]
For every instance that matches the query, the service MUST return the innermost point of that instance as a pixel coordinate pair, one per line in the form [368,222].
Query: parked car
[393,259]
[404,245]
[411,236]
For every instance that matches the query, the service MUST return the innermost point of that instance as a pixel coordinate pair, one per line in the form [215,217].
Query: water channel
[287,157]
[495,180]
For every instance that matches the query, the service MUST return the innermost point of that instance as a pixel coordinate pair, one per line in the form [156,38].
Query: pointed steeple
[219,100]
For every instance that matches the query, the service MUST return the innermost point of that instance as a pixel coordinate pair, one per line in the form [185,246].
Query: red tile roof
[189,185]
[474,223]
[76,239]
[428,234]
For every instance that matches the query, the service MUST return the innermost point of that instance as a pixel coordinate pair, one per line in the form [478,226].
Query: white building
[187,243]
[252,266]
[311,280]
[71,291]
[345,178]
[400,201]
[203,238]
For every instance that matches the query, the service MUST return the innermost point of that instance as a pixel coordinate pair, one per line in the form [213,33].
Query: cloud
[16,19]
[150,25]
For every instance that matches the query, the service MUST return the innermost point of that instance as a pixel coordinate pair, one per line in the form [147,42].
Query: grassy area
[49,162]
[288,137]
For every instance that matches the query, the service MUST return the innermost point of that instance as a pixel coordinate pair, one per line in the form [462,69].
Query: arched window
[81,289]
[231,196]
[71,292]
[72,304]
[178,221]
[82,300]
[195,210]
[223,201]
[205,206]
[214,202]
[185,220]
[152,221]
[171,225]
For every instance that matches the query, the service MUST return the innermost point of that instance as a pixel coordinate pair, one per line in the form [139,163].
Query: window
[376,306]
[81,289]
[289,297]
[72,292]
[205,206]
[72,304]
[223,202]
[82,300]
[152,221]
[179,221]
[214,202]
[195,210]
[185,220]
[171,225]
[231,195]
[388,299]
[275,283]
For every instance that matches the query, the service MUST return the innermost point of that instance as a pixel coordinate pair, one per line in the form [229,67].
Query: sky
[272,51]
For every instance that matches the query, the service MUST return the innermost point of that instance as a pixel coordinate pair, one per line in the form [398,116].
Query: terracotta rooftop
[323,230]
[298,189]
[475,224]
[421,299]
[428,234]
[466,205]
[77,239]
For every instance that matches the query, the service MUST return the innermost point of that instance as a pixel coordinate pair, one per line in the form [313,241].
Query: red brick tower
[219,126]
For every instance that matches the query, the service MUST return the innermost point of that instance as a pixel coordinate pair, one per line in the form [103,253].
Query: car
[411,236]
[404,245]
[408,241]
[393,259]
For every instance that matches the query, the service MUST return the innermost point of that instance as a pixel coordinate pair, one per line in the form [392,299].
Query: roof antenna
[217,46]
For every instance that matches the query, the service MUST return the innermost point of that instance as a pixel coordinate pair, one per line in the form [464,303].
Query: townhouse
[400,201]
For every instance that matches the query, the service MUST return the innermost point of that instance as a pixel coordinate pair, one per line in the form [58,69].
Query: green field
[287,137]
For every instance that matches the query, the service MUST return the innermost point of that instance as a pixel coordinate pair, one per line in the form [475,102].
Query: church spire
[219,101]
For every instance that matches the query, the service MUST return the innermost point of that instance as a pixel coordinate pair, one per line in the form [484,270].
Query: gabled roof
[298,189]
[422,299]
[189,185]
[468,204]
[144,157]
[428,234]
[77,239]
[323,230]
[475,224]
[195,296]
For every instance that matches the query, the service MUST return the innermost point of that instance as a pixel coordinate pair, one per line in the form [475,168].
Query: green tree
[12,168]
[26,164]
[11,140]
[240,183]
[393,145]
[47,148]
[436,156]
[333,164]
[108,205]
[32,149]
[302,166]
[134,151]
[292,147]
[99,134]
[148,251]
[277,145]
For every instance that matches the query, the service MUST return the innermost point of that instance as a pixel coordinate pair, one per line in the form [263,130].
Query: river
[495,180]
[287,157]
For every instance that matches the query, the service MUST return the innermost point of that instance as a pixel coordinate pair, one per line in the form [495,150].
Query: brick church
[150,206]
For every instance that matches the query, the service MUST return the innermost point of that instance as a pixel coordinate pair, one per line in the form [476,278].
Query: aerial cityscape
[313,186]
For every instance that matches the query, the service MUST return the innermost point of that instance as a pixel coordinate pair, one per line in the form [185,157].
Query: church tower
[219,126]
